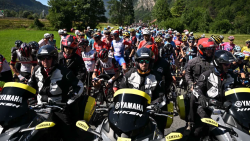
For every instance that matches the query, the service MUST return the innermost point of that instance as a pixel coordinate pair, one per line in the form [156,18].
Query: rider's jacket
[26,62]
[212,84]
[162,71]
[246,51]
[144,82]
[58,83]
[74,63]
[89,59]
[196,67]
[119,47]
[109,67]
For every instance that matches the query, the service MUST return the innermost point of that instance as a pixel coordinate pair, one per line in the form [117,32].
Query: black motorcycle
[129,118]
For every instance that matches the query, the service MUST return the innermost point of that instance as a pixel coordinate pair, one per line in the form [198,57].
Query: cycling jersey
[4,64]
[78,52]
[89,59]
[98,47]
[26,62]
[43,42]
[227,46]
[119,47]
[172,43]
[246,51]
[91,43]
[191,53]
[109,67]
[105,41]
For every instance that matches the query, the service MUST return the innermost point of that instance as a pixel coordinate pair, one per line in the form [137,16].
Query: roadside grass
[239,38]
[103,25]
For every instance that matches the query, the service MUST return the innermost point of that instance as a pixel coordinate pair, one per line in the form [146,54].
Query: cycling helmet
[221,37]
[231,38]
[60,32]
[178,34]
[48,50]
[186,32]
[51,35]
[222,57]
[69,41]
[18,43]
[97,35]
[103,53]
[34,45]
[239,55]
[126,34]
[191,33]
[146,31]
[132,30]
[237,48]
[106,32]
[170,32]
[46,35]
[25,50]
[83,42]
[166,51]
[191,38]
[184,39]
[216,39]
[248,41]
[205,43]
[203,36]
[115,33]
[158,40]
[144,53]
[167,36]
[77,32]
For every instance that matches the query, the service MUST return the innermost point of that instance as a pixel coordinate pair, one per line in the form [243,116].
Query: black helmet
[18,43]
[144,53]
[83,42]
[48,50]
[166,50]
[103,53]
[222,57]
[191,38]
[34,45]
[25,50]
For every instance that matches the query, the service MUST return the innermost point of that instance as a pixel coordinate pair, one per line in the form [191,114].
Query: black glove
[203,101]
[45,90]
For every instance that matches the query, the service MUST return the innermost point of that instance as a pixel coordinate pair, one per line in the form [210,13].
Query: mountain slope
[17,5]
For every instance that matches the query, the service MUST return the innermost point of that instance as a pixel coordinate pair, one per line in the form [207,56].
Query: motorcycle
[20,121]
[129,118]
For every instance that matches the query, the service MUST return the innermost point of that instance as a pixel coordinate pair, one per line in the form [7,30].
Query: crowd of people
[147,57]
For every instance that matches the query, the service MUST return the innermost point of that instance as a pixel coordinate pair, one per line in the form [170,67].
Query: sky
[44,2]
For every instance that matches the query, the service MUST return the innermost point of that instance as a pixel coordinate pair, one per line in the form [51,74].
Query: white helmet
[191,32]
[46,35]
[76,32]
[88,27]
[146,31]
[186,32]
[60,32]
[175,31]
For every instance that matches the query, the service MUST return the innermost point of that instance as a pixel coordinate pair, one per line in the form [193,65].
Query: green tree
[121,12]
[26,14]
[161,10]
[178,8]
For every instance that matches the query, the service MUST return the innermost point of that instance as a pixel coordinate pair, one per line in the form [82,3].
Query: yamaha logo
[117,105]
[238,104]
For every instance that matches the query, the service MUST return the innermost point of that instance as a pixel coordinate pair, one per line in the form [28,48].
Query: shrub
[30,17]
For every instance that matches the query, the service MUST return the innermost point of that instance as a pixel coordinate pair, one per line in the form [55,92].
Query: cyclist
[5,71]
[107,38]
[228,46]
[191,51]
[89,57]
[196,67]
[98,44]
[222,38]
[239,64]
[23,54]
[212,84]
[118,48]
[133,38]
[52,41]
[58,84]
[196,38]
[34,48]
[45,40]
[69,59]
[17,46]
[143,78]
[158,43]
[107,65]
[246,51]
[129,50]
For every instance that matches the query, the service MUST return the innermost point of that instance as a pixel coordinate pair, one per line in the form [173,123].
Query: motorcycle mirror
[83,125]
[173,136]
[209,121]
[42,125]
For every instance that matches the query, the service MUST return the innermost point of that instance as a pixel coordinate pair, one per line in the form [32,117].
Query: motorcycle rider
[197,66]
[212,84]
[58,84]
[143,78]
[69,59]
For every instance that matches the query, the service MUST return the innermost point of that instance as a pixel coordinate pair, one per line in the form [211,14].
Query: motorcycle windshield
[129,111]
[13,101]
[240,109]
